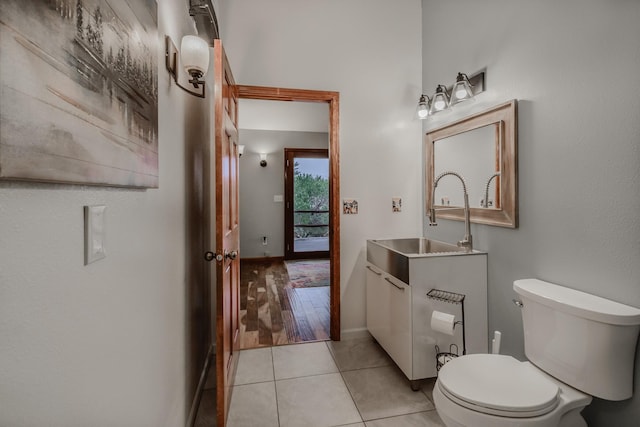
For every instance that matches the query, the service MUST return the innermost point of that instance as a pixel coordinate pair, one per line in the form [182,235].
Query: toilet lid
[496,384]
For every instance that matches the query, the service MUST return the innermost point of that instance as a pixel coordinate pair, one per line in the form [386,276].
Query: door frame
[333,99]
[289,213]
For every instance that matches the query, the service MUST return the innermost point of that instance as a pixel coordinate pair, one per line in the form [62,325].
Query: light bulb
[439,104]
[461,93]
[423,111]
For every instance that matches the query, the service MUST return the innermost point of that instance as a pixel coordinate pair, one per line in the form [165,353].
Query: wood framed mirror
[483,149]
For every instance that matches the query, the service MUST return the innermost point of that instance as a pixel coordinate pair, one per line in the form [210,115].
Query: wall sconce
[464,89]
[194,56]
[423,107]
[461,90]
[240,150]
[263,159]
[440,101]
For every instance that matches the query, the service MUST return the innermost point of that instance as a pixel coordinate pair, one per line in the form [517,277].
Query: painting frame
[79,88]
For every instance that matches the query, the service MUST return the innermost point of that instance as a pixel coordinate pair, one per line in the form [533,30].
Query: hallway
[347,383]
[272,312]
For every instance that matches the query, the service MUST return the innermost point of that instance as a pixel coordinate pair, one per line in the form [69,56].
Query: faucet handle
[466,243]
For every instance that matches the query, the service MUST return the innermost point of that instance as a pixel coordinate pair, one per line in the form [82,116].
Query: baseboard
[201,383]
[264,259]
[348,334]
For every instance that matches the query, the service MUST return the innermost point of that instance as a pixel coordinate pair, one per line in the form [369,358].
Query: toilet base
[573,419]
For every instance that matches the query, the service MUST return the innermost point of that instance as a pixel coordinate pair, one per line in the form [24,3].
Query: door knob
[210,256]
[231,255]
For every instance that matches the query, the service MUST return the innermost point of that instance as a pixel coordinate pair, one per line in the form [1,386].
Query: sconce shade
[240,150]
[423,108]
[440,100]
[263,159]
[194,54]
[462,90]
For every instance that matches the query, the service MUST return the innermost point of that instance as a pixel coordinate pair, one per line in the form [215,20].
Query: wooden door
[227,230]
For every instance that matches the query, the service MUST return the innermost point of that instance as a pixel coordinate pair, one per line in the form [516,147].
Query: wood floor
[274,313]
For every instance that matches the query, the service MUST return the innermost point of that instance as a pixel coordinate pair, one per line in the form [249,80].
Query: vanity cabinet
[399,312]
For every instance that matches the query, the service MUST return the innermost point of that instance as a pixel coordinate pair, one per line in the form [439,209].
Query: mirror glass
[481,148]
[478,165]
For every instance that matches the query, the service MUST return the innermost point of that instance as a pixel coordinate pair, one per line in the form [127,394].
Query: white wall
[106,344]
[259,214]
[262,114]
[369,51]
[571,65]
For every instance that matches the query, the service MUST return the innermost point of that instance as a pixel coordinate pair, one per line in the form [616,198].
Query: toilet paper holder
[453,298]
[443,357]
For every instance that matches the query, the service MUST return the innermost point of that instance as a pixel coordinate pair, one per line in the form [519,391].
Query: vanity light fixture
[263,160]
[440,101]
[423,107]
[194,57]
[465,88]
[240,150]
[461,90]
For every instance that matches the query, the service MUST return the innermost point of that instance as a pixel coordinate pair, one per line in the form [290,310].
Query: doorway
[306,192]
[332,100]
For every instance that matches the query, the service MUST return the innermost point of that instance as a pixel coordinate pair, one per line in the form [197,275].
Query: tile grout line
[275,388]
[342,371]
[329,347]
[344,382]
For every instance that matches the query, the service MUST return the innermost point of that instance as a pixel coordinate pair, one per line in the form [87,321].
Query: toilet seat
[498,385]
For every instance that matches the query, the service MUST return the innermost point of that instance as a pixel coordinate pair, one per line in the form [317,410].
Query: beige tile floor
[348,383]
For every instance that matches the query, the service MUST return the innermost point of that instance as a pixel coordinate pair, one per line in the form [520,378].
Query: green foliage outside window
[311,193]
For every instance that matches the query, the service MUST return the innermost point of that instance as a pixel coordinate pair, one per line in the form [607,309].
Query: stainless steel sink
[418,246]
[393,255]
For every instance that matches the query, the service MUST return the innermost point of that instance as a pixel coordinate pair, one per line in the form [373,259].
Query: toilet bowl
[490,390]
[568,338]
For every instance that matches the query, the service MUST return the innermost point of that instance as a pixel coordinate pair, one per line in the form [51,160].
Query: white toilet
[578,345]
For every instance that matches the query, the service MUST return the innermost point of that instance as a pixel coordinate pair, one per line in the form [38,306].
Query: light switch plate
[278,198]
[94,233]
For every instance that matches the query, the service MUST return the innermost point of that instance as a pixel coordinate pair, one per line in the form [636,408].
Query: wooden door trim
[333,99]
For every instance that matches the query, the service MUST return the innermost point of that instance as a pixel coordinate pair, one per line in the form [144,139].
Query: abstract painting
[79,91]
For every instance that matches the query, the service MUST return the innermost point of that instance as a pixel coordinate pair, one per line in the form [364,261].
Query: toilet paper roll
[443,322]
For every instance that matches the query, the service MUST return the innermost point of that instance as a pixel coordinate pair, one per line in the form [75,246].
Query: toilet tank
[583,340]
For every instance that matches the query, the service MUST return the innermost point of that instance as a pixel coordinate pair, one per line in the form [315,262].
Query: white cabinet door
[400,342]
[377,313]
[389,316]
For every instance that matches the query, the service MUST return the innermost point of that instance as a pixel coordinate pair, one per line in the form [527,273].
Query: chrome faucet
[466,241]
[485,201]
